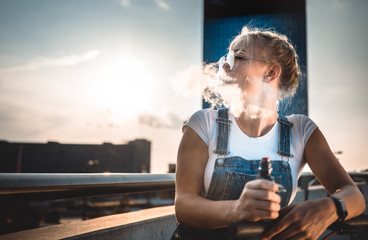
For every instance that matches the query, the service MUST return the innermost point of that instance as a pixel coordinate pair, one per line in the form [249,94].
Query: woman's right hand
[258,201]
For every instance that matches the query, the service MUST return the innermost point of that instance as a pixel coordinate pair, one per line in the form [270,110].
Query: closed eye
[240,58]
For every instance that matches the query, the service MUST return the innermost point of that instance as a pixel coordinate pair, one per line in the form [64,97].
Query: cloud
[163,5]
[170,121]
[160,3]
[125,3]
[338,4]
[36,64]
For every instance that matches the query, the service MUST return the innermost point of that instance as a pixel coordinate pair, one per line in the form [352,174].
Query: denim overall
[232,173]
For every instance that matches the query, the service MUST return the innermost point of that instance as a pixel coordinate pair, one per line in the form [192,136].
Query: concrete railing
[151,224]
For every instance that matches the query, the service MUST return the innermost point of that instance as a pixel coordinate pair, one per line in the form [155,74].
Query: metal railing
[49,186]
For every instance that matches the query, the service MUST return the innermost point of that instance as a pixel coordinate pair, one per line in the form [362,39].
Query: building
[54,157]
[224,19]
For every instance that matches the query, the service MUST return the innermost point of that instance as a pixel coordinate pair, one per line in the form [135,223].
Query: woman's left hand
[304,220]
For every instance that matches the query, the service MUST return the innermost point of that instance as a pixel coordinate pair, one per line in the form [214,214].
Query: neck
[256,126]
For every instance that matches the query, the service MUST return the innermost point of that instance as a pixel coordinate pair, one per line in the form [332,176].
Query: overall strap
[284,137]
[223,131]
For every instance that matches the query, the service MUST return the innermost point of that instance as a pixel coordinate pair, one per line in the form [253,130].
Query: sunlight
[123,85]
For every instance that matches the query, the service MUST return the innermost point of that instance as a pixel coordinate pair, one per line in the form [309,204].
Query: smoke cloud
[219,89]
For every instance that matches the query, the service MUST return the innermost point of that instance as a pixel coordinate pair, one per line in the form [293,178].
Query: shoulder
[205,116]
[202,123]
[302,126]
[205,113]
[299,119]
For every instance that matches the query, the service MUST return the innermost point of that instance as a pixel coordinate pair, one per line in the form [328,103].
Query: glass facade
[222,23]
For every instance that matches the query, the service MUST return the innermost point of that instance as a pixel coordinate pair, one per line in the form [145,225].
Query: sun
[123,85]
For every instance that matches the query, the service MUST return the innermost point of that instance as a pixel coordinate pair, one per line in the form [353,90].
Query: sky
[337,36]
[94,71]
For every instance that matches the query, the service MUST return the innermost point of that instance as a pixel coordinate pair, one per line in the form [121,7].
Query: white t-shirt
[203,122]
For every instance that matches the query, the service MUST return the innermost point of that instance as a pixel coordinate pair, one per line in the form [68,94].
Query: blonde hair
[276,49]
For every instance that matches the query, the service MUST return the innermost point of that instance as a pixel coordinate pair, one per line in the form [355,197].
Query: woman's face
[249,69]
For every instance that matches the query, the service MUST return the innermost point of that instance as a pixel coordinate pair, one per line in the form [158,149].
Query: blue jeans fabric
[232,173]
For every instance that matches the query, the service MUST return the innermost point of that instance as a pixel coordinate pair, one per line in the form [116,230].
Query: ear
[273,72]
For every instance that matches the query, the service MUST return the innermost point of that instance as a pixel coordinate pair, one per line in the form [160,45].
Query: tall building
[54,157]
[224,19]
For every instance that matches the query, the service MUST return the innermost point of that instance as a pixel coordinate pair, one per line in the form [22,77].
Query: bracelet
[340,208]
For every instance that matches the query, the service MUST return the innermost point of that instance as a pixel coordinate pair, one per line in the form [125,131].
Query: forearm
[353,199]
[193,210]
[331,174]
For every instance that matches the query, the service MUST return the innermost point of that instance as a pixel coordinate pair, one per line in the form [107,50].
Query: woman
[219,153]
